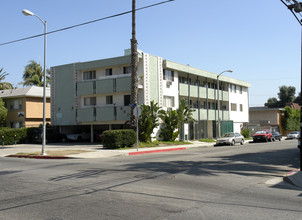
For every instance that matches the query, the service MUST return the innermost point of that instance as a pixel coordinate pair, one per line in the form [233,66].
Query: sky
[259,40]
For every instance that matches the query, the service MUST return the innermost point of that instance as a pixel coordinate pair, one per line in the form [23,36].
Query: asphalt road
[229,182]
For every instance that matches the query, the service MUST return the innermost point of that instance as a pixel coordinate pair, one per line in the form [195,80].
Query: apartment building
[94,96]
[25,106]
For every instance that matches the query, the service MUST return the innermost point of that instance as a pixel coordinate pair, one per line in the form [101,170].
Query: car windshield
[294,132]
[260,132]
[229,135]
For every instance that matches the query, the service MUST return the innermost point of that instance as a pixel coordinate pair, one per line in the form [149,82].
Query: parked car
[52,136]
[276,136]
[263,135]
[293,135]
[78,136]
[230,139]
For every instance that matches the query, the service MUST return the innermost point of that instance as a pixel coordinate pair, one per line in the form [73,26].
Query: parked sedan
[230,139]
[276,136]
[78,137]
[293,135]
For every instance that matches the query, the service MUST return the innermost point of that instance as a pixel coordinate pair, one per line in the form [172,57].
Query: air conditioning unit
[169,83]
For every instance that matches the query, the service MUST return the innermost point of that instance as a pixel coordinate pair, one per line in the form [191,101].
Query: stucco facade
[267,118]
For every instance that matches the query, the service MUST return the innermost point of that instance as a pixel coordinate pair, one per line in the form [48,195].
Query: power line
[85,23]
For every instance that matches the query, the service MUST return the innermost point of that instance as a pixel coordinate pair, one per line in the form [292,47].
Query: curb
[39,156]
[294,178]
[156,151]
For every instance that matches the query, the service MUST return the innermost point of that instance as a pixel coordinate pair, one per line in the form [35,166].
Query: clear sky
[259,40]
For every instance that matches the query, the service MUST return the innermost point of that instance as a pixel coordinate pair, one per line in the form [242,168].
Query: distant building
[25,106]
[265,118]
[95,95]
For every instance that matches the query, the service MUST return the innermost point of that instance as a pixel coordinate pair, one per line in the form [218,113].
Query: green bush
[9,135]
[245,133]
[119,138]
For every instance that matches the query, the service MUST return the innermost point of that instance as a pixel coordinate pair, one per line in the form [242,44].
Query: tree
[291,119]
[185,114]
[169,125]
[3,112]
[148,120]
[4,85]
[298,99]
[286,95]
[272,103]
[134,62]
[173,120]
[33,75]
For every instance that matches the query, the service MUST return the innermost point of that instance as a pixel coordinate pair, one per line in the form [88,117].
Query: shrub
[245,133]
[119,138]
[10,134]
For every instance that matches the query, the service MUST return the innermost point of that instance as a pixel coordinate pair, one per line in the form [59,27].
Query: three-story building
[95,95]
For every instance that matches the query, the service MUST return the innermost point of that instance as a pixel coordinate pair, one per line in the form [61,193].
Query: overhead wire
[85,23]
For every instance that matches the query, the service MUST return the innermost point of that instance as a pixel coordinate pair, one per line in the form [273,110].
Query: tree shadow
[247,164]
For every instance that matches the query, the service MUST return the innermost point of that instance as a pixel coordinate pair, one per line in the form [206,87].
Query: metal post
[137,139]
[44,94]
[218,106]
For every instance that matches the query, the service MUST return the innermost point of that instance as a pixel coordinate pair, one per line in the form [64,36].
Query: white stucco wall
[239,117]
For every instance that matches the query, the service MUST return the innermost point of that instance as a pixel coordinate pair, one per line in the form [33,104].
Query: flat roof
[32,91]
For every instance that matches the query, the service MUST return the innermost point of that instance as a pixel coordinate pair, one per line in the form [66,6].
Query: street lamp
[218,103]
[297,7]
[29,13]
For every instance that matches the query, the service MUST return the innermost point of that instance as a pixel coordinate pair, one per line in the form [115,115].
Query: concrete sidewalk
[93,150]
[294,177]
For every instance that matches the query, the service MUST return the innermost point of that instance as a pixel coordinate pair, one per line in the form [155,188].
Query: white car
[293,135]
[230,139]
[78,136]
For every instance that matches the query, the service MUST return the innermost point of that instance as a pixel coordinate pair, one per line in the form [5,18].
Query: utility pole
[134,61]
[296,7]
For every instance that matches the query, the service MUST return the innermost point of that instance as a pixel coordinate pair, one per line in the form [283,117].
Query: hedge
[10,135]
[119,138]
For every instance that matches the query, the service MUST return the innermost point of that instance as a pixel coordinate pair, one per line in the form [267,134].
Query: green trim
[191,70]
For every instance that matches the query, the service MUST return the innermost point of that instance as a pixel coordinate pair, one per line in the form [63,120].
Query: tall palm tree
[4,85]
[33,75]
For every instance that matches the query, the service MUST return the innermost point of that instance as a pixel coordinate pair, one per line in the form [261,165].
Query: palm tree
[185,114]
[148,120]
[33,75]
[4,85]
[169,124]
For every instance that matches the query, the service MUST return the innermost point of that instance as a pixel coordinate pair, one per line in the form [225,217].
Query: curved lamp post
[29,13]
[218,102]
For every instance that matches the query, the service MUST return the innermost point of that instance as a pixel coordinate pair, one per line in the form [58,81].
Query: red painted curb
[38,156]
[155,151]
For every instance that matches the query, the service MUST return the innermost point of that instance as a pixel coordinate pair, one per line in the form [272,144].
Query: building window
[169,75]
[126,100]
[241,107]
[109,100]
[169,101]
[89,101]
[233,88]
[15,104]
[240,89]
[108,72]
[88,75]
[233,107]
[127,69]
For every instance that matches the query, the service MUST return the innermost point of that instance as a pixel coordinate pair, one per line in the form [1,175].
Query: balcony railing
[104,114]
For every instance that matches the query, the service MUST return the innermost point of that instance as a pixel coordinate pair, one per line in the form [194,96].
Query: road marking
[274,181]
